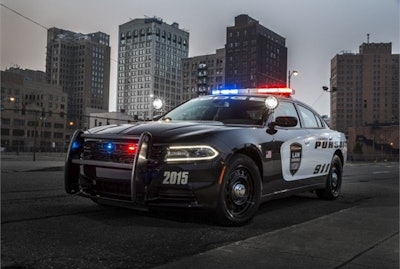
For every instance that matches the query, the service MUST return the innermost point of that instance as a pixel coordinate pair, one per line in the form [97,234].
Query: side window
[310,119]
[286,109]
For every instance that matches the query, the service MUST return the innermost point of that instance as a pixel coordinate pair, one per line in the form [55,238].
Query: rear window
[310,119]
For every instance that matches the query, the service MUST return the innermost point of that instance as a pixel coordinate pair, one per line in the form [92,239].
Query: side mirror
[282,122]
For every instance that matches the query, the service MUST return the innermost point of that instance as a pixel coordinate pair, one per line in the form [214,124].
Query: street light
[290,74]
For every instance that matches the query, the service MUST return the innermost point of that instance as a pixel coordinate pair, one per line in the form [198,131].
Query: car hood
[163,129]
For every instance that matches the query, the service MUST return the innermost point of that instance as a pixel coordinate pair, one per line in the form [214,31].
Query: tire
[333,181]
[240,192]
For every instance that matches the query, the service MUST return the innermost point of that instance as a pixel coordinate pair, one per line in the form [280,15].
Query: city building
[255,55]
[33,112]
[202,74]
[80,64]
[149,65]
[365,97]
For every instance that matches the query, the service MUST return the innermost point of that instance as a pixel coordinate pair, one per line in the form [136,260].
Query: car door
[324,142]
[289,144]
[321,142]
[300,155]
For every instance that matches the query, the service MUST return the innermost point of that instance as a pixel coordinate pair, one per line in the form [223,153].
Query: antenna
[367,38]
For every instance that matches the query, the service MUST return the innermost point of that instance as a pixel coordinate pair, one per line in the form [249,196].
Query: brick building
[33,112]
[365,98]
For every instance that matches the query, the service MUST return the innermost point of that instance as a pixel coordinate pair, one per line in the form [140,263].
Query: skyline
[312,38]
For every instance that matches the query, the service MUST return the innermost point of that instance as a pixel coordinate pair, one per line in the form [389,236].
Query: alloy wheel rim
[335,181]
[239,192]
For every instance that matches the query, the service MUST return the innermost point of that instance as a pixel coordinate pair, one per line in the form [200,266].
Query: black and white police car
[226,152]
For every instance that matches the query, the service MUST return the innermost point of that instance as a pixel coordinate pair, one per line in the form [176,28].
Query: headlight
[190,153]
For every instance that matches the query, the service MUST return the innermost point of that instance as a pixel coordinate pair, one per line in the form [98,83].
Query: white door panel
[309,156]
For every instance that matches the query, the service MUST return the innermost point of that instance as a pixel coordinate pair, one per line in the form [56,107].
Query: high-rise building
[33,112]
[365,100]
[365,87]
[149,65]
[255,55]
[80,63]
[202,74]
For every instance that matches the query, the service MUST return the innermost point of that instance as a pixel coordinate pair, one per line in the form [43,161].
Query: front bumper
[99,182]
[148,181]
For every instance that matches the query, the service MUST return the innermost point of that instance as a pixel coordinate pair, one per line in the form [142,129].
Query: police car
[226,152]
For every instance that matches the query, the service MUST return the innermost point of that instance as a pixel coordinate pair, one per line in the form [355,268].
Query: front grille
[110,151]
[110,188]
[113,185]
[114,189]
[176,195]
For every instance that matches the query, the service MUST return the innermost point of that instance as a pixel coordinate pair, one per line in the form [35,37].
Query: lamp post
[151,106]
[35,135]
[290,74]
[11,99]
[42,136]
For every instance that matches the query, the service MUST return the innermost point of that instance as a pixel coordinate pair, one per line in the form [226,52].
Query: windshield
[227,109]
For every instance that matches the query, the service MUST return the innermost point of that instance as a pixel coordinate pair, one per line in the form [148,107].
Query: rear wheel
[333,181]
[240,192]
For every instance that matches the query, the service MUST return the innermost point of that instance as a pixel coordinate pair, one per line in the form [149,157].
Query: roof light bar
[226,91]
[284,91]
[273,91]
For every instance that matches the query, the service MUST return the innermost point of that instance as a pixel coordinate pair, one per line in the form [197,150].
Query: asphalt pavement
[338,240]
[332,241]
[23,162]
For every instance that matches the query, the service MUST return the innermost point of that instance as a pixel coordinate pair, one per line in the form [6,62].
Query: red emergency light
[276,91]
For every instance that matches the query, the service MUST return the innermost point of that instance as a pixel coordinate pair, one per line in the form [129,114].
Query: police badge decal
[295,157]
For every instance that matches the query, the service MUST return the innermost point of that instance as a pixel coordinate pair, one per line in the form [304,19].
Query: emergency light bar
[283,91]
[226,91]
[273,91]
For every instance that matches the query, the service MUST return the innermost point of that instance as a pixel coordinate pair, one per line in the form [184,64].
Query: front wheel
[240,192]
[333,181]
